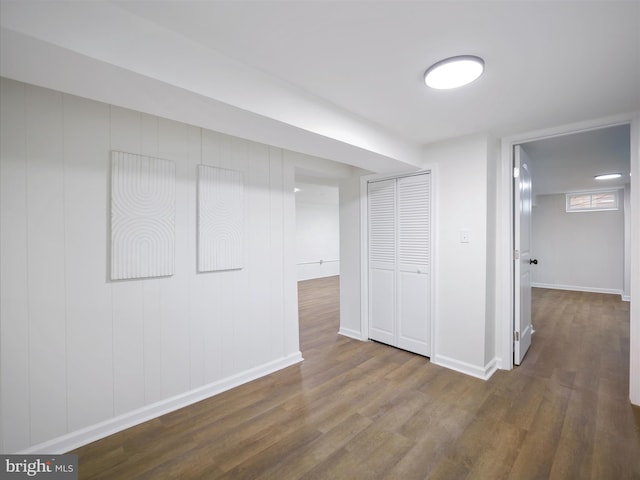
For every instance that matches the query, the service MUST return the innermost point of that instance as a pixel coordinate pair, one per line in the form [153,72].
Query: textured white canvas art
[143,194]
[220,219]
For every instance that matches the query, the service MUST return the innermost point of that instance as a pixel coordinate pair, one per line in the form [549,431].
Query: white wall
[577,251]
[317,231]
[493,157]
[462,325]
[350,259]
[82,356]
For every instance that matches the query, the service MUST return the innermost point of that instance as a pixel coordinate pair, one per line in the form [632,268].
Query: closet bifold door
[381,197]
[399,222]
[413,264]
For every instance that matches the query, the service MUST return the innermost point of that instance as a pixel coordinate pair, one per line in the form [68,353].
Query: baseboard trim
[575,288]
[89,434]
[483,373]
[347,332]
[499,363]
[491,368]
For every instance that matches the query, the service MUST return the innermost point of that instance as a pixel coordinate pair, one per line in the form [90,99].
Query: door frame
[505,266]
[364,241]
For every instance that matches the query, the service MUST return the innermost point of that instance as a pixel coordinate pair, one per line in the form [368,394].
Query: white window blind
[592,201]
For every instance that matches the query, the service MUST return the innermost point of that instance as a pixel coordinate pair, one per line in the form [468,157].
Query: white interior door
[522,255]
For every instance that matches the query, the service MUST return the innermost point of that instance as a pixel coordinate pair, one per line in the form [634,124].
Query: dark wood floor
[361,410]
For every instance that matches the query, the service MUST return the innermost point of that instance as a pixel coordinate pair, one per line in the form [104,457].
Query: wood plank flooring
[361,410]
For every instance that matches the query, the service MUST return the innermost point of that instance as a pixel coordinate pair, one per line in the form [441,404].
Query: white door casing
[522,254]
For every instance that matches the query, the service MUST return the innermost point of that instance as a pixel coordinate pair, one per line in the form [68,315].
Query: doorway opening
[573,249]
[317,257]
[317,230]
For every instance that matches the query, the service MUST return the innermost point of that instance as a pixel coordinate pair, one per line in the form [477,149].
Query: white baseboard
[575,288]
[347,332]
[501,364]
[89,434]
[483,373]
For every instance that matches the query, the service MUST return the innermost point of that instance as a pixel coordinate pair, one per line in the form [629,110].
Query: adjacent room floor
[362,410]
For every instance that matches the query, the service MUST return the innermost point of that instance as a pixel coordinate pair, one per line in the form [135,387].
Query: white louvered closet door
[399,262]
[413,327]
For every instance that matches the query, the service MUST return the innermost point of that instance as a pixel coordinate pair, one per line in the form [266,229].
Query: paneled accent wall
[81,355]
[143,211]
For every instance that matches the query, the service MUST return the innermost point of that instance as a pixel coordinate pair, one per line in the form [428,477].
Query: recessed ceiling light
[454,72]
[608,176]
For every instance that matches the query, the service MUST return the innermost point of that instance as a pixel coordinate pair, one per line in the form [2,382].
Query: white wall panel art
[220,219]
[143,195]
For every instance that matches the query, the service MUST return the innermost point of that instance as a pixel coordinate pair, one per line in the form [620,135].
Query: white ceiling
[569,163]
[546,62]
[342,80]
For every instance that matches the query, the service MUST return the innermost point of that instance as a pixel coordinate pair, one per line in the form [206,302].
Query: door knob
[534,261]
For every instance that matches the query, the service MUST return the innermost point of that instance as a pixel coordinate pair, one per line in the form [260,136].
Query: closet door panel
[382,260]
[382,306]
[414,223]
[413,327]
[382,224]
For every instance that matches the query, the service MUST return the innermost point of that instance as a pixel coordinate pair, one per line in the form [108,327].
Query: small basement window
[592,201]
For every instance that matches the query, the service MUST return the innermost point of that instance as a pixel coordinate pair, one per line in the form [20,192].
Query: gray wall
[577,251]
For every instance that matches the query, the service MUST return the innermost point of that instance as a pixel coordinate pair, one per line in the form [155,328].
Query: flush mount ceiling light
[608,176]
[454,72]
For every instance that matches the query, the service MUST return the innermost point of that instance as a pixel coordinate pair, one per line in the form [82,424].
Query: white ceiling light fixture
[454,72]
[608,176]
